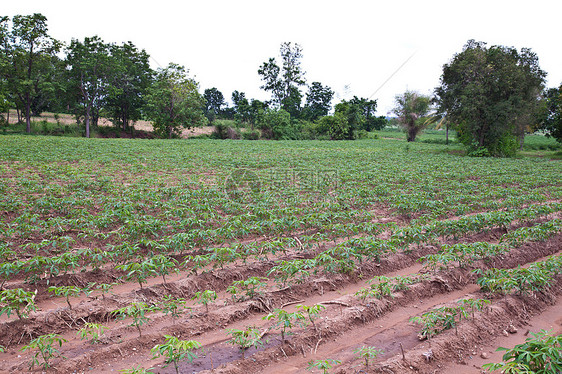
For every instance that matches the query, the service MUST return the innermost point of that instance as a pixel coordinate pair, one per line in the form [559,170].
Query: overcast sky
[351,46]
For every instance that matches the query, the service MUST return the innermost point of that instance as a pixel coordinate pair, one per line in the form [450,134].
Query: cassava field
[272,257]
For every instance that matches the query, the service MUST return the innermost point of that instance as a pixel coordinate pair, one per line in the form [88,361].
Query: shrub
[337,127]
[225,129]
[251,135]
[277,124]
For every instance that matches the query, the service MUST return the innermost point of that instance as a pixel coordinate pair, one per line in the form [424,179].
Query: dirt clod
[511,329]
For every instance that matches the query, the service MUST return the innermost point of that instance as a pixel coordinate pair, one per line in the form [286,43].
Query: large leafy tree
[131,76]
[551,118]
[318,101]
[412,109]
[174,102]
[284,81]
[28,58]
[88,67]
[488,93]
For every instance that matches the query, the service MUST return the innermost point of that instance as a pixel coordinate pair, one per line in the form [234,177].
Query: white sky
[353,43]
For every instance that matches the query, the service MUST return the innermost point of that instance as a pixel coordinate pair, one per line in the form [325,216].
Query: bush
[478,152]
[506,146]
[251,135]
[277,124]
[225,129]
[312,130]
[337,127]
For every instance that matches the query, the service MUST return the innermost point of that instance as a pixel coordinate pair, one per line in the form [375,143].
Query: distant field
[204,239]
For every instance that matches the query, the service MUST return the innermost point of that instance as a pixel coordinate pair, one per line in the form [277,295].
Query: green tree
[242,108]
[318,101]
[284,81]
[276,124]
[88,71]
[368,108]
[359,114]
[214,101]
[551,117]
[129,83]
[174,102]
[336,126]
[29,54]
[488,93]
[412,110]
[257,111]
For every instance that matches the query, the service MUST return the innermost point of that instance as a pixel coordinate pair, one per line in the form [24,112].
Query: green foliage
[88,68]
[17,301]
[285,320]
[163,265]
[30,60]
[251,135]
[105,288]
[539,354]
[444,318]
[551,114]
[92,331]
[130,80]
[412,111]
[45,345]
[311,312]
[533,279]
[136,311]
[276,124]
[249,288]
[381,286]
[318,101]
[214,101]
[176,350]
[174,102]
[139,271]
[226,129]
[337,127]
[360,114]
[173,306]
[491,94]
[245,339]
[284,81]
[368,353]
[136,370]
[67,292]
[205,297]
[323,365]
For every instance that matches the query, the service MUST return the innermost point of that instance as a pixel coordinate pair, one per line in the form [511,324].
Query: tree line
[491,96]
[95,78]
